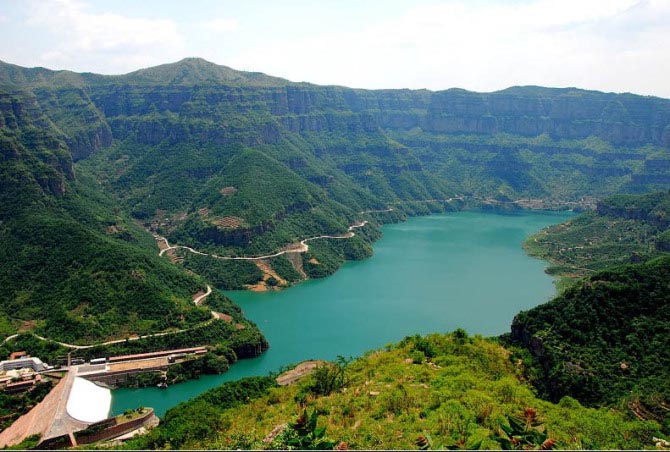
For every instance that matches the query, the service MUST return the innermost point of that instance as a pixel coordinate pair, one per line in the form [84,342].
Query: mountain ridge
[198,64]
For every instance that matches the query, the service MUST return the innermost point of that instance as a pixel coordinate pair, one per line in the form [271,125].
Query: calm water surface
[430,274]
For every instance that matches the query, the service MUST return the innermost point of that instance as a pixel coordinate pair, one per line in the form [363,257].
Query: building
[35,364]
[19,355]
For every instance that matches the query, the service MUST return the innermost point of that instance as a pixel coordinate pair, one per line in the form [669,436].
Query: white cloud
[3,19]
[484,45]
[617,45]
[79,31]
[220,25]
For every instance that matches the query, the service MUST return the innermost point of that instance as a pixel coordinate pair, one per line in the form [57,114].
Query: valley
[135,208]
[429,274]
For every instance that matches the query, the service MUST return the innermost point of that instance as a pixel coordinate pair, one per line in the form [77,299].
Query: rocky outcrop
[30,142]
[653,208]
[623,120]
[87,142]
[251,349]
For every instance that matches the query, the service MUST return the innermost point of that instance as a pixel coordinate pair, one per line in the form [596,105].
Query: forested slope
[75,267]
[243,164]
[606,340]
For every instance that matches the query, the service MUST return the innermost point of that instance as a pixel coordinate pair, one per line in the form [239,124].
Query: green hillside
[605,341]
[623,229]
[75,267]
[244,164]
[441,391]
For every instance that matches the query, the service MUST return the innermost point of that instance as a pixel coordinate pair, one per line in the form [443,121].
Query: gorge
[430,274]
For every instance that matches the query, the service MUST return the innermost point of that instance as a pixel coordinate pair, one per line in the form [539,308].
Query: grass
[453,389]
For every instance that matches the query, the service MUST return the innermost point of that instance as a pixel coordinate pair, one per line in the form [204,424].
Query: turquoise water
[429,274]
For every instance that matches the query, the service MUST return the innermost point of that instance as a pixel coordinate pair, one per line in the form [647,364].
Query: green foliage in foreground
[606,340]
[303,434]
[467,393]
[199,418]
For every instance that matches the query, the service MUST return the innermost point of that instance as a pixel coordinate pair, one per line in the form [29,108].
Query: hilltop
[439,391]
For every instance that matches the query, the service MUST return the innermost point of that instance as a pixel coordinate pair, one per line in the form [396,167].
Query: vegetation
[14,406]
[224,339]
[328,378]
[605,340]
[303,434]
[74,267]
[226,275]
[623,229]
[469,392]
[285,269]
[31,442]
[199,419]
[212,363]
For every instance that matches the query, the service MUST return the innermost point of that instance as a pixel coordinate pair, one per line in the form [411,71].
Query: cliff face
[71,111]
[622,120]
[187,121]
[653,208]
[33,159]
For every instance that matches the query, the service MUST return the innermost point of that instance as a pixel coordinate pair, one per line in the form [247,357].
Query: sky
[480,45]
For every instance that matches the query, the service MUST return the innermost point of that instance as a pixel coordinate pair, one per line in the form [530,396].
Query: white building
[35,364]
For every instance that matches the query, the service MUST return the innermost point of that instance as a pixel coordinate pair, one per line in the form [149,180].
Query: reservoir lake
[430,274]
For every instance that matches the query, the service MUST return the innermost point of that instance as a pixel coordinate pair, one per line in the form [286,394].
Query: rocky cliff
[361,149]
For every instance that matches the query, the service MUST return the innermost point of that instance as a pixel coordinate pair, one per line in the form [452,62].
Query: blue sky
[482,45]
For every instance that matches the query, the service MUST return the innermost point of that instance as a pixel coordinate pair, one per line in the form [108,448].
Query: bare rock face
[30,143]
[82,145]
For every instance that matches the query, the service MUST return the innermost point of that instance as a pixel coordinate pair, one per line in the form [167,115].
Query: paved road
[302,248]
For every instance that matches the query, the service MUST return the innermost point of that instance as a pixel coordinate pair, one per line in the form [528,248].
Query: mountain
[196,71]
[243,164]
[75,267]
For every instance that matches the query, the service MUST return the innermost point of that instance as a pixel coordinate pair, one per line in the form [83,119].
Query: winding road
[301,248]
[197,301]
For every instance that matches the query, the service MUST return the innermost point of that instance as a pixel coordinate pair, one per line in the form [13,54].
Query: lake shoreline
[358,326]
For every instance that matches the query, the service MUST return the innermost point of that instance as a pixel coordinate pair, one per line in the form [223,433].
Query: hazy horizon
[479,45]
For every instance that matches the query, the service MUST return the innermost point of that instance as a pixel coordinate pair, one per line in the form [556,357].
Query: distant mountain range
[242,164]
